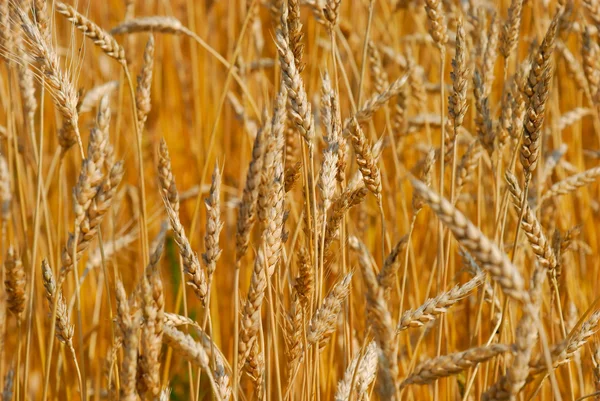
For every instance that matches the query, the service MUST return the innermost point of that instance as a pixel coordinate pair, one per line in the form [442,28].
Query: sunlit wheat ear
[92,97]
[64,329]
[448,365]
[166,177]
[509,36]
[435,307]
[491,257]
[483,122]
[100,37]
[300,108]
[296,35]
[536,90]
[57,81]
[144,84]
[365,160]
[292,176]
[5,192]
[437,23]
[264,266]
[195,275]
[294,325]
[467,165]
[247,210]
[306,277]
[380,320]
[90,176]
[152,329]
[526,334]
[91,222]
[426,176]
[387,275]
[129,326]
[563,351]
[570,184]
[26,85]
[255,367]
[344,202]
[322,324]
[214,225]
[574,69]
[378,74]
[366,111]
[457,102]
[42,19]
[14,282]
[359,375]
[591,68]
[532,227]
[184,345]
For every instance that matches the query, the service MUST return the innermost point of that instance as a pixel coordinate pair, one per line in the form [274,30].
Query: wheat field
[294,200]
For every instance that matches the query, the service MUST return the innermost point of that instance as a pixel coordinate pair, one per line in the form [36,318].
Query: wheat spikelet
[247,210]
[196,278]
[378,74]
[364,369]
[540,245]
[166,177]
[144,84]
[563,352]
[292,175]
[346,200]
[300,109]
[42,20]
[93,96]
[91,175]
[510,384]
[152,330]
[214,225]
[14,282]
[434,307]
[294,27]
[58,82]
[152,23]
[129,328]
[93,218]
[26,85]
[492,259]
[490,55]
[437,24]
[64,329]
[331,13]
[536,89]
[380,319]
[457,101]
[589,52]
[509,36]
[387,276]
[293,334]
[571,184]
[101,38]
[574,69]
[365,160]
[447,365]
[483,122]
[366,111]
[305,280]
[417,201]
[322,324]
